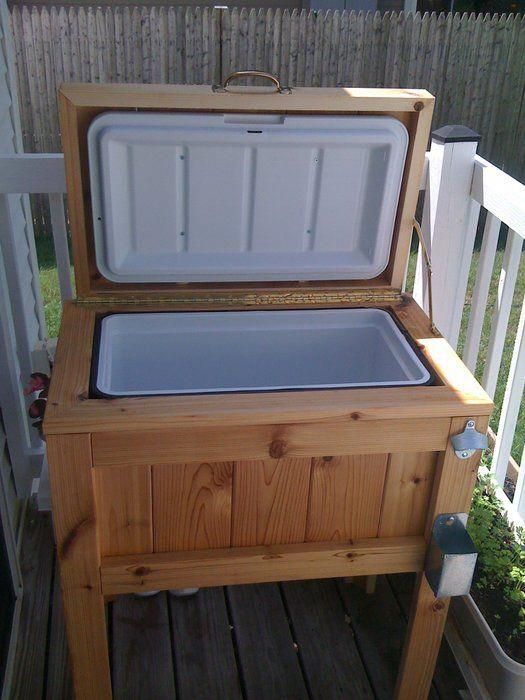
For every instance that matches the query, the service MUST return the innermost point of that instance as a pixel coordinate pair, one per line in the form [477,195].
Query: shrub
[499,581]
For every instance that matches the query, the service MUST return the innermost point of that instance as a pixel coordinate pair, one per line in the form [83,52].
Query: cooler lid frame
[80,104]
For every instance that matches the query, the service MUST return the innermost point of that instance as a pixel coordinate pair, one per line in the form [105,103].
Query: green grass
[52,306]
[49,283]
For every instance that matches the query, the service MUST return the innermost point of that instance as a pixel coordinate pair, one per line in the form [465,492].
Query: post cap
[455,133]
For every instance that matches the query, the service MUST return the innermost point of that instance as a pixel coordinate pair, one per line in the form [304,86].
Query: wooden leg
[79,560]
[425,631]
[452,492]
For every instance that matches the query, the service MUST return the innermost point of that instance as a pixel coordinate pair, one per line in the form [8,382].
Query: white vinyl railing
[504,199]
[458,184]
[42,173]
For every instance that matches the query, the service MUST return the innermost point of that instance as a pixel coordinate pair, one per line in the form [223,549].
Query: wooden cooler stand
[267,487]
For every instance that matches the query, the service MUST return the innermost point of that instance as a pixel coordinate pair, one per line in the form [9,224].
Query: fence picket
[472,63]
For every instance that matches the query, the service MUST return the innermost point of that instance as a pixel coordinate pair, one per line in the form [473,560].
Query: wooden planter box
[164,492]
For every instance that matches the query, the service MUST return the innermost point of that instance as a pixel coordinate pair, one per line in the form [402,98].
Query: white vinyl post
[450,217]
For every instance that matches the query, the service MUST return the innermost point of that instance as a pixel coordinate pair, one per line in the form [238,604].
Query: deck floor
[315,639]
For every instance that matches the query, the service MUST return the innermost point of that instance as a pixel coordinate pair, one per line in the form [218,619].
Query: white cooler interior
[189,353]
[226,197]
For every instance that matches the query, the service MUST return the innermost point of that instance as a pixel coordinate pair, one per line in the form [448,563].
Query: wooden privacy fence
[474,64]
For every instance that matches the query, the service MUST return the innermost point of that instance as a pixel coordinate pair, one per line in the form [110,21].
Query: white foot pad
[183,592]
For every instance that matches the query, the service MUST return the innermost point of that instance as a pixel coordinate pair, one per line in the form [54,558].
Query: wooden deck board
[331,661]
[379,636]
[142,660]
[203,647]
[163,647]
[37,572]
[267,654]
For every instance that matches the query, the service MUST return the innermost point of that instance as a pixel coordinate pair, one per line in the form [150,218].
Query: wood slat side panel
[345,497]
[123,505]
[230,443]
[270,500]
[261,564]
[191,505]
[408,486]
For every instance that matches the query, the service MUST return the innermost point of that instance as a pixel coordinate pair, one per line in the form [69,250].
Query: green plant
[499,583]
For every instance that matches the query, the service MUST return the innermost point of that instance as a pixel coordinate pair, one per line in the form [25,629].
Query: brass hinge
[248,299]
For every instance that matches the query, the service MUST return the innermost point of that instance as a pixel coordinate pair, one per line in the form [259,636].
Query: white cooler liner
[191,353]
[226,197]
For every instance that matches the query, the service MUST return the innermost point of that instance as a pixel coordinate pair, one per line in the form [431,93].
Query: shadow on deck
[313,639]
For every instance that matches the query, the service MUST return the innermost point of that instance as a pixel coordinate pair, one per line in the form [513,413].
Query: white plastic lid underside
[193,197]
[189,353]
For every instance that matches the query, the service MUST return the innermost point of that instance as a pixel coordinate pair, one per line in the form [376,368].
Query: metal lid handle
[252,74]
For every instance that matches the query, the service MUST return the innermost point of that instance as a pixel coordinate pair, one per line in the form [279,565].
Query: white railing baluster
[500,318]
[519,494]
[511,404]
[58,226]
[481,290]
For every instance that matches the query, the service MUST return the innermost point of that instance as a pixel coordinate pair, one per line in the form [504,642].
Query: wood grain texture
[227,444]
[379,627]
[267,655]
[425,632]
[238,565]
[448,681]
[406,496]
[270,501]
[345,497]
[72,148]
[319,623]
[191,506]
[70,474]
[37,571]
[59,682]
[455,478]
[456,392]
[123,504]
[369,623]
[80,104]
[142,663]
[452,492]
[203,646]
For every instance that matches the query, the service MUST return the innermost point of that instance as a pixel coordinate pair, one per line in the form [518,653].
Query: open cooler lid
[196,197]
